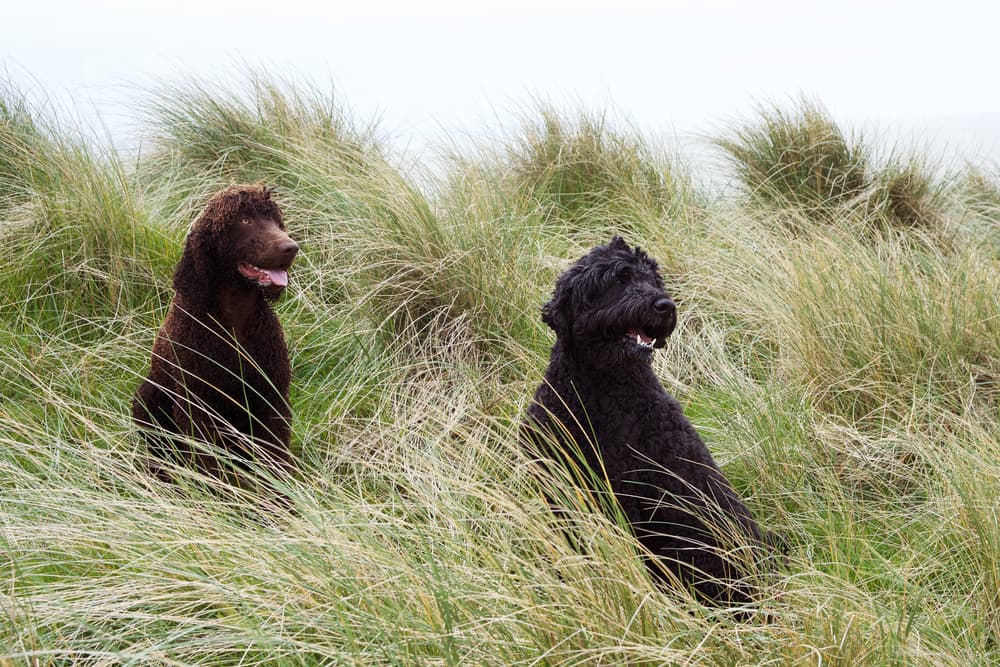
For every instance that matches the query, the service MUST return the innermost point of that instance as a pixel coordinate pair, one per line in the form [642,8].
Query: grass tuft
[802,160]
[581,169]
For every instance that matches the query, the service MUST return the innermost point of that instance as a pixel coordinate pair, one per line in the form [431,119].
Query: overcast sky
[431,69]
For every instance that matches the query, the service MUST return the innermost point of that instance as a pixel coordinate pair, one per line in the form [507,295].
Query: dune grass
[847,382]
[801,159]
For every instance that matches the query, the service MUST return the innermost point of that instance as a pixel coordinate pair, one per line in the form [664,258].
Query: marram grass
[847,382]
[801,159]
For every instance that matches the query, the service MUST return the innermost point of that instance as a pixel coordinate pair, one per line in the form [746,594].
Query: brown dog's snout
[288,249]
[278,248]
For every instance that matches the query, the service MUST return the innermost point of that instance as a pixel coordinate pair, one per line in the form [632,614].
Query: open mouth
[264,277]
[640,338]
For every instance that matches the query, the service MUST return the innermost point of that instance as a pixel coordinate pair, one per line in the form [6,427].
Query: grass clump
[802,160]
[584,172]
[978,190]
[246,131]
[798,158]
[908,195]
[75,207]
[23,146]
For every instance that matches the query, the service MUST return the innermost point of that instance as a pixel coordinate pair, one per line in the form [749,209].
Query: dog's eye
[246,221]
[624,275]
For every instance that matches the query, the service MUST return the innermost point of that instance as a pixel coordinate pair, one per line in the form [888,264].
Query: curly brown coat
[220,370]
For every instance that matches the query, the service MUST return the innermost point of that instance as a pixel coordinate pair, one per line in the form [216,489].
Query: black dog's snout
[664,305]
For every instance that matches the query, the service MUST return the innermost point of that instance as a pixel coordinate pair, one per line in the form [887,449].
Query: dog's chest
[264,346]
[630,422]
[628,419]
[255,354]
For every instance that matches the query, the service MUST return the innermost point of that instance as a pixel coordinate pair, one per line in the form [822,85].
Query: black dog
[601,398]
[220,370]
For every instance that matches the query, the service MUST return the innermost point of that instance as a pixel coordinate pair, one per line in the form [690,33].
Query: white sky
[431,69]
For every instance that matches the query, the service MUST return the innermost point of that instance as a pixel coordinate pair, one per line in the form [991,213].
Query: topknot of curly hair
[239,201]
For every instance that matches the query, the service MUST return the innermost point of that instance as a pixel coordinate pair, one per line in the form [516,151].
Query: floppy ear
[552,316]
[196,268]
[558,312]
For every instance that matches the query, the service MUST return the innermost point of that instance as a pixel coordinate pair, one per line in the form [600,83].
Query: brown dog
[220,372]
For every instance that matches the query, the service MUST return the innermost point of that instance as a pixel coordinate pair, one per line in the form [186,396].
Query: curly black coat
[220,370]
[601,398]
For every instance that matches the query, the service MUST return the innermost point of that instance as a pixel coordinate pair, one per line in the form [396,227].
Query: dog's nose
[664,305]
[288,249]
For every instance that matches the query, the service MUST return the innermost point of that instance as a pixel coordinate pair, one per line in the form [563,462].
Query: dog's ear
[618,243]
[557,313]
[552,316]
[196,268]
[185,281]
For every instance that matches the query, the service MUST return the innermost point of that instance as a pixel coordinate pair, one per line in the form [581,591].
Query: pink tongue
[277,276]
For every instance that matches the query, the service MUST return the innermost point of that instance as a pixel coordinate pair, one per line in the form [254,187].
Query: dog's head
[239,241]
[610,307]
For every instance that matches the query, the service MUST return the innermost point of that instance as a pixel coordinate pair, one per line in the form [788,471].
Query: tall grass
[583,169]
[801,159]
[24,145]
[845,381]
[74,231]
